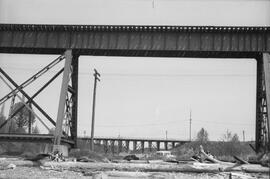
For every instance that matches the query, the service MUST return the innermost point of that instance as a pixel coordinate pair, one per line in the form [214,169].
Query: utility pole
[244,136]
[190,125]
[166,135]
[96,75]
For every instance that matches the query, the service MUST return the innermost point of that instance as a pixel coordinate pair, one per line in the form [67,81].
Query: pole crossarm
[31,79]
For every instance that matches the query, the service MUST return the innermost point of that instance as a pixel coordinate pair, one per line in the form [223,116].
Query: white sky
[151,94]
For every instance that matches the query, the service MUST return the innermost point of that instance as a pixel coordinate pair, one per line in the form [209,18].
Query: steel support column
[62,100]
[266,124]
[74,80]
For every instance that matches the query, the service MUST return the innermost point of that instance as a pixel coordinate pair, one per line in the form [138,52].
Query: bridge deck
[170,41]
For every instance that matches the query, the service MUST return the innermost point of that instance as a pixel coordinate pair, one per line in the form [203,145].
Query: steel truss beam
[133,40]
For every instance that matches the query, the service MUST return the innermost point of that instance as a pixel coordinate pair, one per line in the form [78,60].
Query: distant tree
[202,135]
[22,117]
[235,138]
[230,137]
[11,126]
[20,130]
[2,120]
[35,130]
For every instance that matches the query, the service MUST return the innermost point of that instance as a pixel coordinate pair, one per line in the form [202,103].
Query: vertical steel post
[62,100]
[260,96]
[74,80]
[30,120]
[96,75]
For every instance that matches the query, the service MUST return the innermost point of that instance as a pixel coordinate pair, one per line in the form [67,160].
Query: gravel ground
[36,172]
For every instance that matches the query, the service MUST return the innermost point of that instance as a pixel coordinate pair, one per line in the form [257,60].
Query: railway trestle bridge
[106,144]
[71,41]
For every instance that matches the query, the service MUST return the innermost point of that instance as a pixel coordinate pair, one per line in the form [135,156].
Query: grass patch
[221,150]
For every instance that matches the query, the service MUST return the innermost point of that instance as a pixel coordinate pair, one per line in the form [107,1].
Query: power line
[170,122]
[147,74]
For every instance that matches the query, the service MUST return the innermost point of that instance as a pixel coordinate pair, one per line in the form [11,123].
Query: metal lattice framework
[145,41]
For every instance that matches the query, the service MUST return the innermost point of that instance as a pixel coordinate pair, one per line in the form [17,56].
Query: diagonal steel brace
[26,95]
[31,79]
[37,93]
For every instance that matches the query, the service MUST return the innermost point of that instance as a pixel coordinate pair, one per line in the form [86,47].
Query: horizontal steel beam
[43,138]
[135,40]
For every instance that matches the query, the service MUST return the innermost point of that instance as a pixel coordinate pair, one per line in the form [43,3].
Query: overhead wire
[143,75]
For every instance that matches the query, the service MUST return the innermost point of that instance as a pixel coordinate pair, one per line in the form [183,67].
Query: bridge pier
[173,144]
[134,146]
[120,145]
[166,145]
[105,144]
[150,146]
[112,146]
[127,146]
[158,145]
[62,100]
[142,146]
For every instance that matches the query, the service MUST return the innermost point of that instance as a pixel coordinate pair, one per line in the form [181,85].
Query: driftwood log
[170,167]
